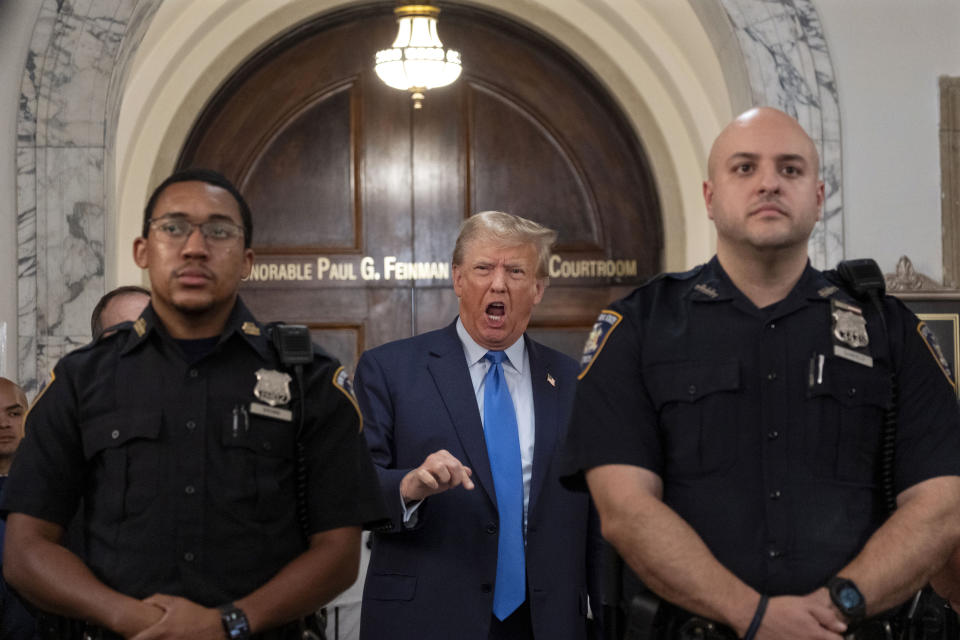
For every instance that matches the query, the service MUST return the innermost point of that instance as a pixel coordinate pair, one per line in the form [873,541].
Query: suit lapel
[545,422]
[447,365]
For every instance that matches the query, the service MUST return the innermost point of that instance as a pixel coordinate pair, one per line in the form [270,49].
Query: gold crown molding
[909,280]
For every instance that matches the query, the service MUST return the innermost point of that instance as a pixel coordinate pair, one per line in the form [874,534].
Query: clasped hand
[181,619]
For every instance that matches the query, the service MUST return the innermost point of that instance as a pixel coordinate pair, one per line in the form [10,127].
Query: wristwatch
[847,597]
[234,622]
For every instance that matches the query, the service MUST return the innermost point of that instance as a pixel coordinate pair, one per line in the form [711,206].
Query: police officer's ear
[708,197]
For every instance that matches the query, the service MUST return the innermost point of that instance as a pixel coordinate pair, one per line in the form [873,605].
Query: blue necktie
[503,449]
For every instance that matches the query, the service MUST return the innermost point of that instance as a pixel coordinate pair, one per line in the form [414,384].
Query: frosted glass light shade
[417,60]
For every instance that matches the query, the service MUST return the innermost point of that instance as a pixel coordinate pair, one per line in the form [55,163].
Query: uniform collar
[240,322]
[713,284]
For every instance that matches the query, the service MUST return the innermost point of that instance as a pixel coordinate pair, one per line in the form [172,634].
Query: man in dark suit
[484,543]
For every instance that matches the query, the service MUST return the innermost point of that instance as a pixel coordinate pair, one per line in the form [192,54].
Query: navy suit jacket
[435,580]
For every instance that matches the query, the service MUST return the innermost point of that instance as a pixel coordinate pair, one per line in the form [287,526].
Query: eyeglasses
[171,228]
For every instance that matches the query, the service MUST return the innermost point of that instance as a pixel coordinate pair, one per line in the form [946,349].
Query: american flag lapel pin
[551,380]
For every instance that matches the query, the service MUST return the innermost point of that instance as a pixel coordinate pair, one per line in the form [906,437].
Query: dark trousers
[64,629]
[517,626]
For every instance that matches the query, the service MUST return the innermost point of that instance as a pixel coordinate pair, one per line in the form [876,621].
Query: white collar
[476,353]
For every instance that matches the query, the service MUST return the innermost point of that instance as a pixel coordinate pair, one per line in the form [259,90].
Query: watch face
[849,597]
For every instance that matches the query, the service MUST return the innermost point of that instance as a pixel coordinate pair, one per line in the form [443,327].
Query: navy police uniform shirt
[188,487]
[763,425]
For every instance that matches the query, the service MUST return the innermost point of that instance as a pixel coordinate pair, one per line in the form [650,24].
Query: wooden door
[357,197]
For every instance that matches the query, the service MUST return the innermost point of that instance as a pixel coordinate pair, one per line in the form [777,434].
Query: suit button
[491,528]
[486,588]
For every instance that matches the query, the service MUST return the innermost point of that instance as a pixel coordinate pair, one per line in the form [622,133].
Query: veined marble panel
[71,239]
[61,223]
[27,272]
[80,58]
[27,365]
[26,268]
[33,72]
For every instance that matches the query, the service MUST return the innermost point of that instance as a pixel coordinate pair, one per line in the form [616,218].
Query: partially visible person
[463,424]
[15,622]
[123,304]
[13,404]
[343,612]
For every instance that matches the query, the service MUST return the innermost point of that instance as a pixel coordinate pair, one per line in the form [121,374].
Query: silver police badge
[849,325]
[273,387]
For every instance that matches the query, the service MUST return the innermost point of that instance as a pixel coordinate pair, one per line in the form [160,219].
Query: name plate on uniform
[271,412]
[853,356]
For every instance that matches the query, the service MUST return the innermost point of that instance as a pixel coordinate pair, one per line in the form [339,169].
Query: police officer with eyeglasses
[223,497]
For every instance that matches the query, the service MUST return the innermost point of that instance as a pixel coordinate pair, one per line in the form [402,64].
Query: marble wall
[70,97]
[62,126]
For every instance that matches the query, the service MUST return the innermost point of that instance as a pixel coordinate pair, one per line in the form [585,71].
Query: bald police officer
[728,420]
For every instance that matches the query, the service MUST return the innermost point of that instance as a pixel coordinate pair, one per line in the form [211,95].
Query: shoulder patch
[342,381]
[929,339]
[606,322]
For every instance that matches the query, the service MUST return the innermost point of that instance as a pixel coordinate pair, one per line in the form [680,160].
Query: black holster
[931,619]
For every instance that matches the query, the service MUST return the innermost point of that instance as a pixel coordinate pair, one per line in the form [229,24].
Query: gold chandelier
[417,60]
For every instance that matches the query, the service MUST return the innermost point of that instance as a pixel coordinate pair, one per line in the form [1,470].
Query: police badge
[273,387]
[849,325]
[849,332]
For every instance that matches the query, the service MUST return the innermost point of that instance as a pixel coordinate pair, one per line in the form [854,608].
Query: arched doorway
[357,197]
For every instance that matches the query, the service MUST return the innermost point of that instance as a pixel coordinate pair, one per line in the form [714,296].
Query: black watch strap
[847,597]
[234,622]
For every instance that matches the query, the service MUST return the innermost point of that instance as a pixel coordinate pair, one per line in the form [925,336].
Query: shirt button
[772,325]
[486,588]
[115,434]
[267,446]
[774,495]
[191,425]
[189,490]
[852,391]
[491,528]
[774,553]
[692,389]
[772,375]
[194,373]
[773,435]
[188,556]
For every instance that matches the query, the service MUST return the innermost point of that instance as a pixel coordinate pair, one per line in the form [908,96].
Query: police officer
[194,449]
[728,420]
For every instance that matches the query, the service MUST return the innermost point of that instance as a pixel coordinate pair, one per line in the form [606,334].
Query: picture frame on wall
[940,311]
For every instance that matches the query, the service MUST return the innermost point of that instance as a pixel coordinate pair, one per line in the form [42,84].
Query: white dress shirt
[516,367]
